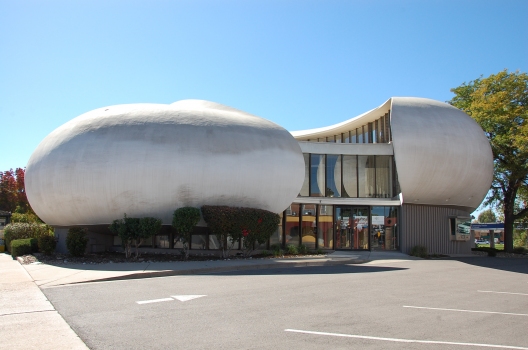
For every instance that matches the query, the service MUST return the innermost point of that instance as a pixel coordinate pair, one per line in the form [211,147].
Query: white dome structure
[150,159]
[441,155]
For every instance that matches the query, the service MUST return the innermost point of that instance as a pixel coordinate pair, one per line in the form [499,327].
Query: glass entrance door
[352,227]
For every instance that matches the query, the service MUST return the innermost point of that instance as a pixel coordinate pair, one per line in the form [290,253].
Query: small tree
[184,220]
[257,226]
[487,216]
[148,227]
[76,241]
[127,229]
[221,220]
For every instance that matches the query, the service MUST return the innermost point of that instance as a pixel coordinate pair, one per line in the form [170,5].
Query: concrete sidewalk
[46,276]
[27,318]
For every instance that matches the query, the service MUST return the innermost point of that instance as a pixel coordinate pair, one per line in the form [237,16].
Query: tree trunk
[508,230]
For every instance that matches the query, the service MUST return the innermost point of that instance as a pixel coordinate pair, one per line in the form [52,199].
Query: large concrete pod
[150,159]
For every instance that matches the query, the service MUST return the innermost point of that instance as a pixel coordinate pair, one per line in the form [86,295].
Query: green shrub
[292,249]
[21,230]
[419,251]
[24,246]
[184,220]
[320,251]
[303,249]
[47,244]
[76,241]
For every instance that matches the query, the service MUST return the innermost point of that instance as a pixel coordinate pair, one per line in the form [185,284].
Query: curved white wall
[442,155]
[150,159]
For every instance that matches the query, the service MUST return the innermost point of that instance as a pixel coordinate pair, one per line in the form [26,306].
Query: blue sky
[300,63]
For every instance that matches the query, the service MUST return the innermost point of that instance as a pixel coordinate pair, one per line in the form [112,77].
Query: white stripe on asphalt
[462,310]
[490,291]
[398,340]
[154,301]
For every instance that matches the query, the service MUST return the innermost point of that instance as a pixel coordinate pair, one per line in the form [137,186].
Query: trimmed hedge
[22,230]
[25,246]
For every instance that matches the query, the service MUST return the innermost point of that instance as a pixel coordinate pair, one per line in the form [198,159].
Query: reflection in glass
[350,176]
[325,229]
[383,176]
[213,242]
[384,233]
[199,241]
[317,174]
[333,175]
[162,241]
[353,138]
[308,225]
[343,227]
[360,228]
[291,230]
[305,189]
[366,173]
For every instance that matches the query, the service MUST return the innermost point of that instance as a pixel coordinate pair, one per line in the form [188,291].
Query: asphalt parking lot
[423,304]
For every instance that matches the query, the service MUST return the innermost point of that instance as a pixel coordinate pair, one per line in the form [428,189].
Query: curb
[208,270]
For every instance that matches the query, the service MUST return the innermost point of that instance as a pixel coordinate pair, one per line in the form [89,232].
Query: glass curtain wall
[276,238]
[305,189]
[291,230]
[333,175]
[384,229]
[317,175]
[308,225]
[350,180]
[325,227]
[366,174]
[384,177]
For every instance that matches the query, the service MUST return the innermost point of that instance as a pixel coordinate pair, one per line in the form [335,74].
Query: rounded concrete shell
[150,159]
[441,154]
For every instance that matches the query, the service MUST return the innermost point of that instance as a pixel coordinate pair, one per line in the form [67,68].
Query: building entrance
[352,227]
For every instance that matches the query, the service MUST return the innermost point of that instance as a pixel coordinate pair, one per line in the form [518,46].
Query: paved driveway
[423,304]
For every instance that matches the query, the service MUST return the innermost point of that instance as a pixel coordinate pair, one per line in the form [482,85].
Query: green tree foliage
[499,104]
[184,220]
[76,241]
[25,246]
[487,216]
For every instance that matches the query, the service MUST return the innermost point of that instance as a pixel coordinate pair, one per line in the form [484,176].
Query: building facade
[407,173]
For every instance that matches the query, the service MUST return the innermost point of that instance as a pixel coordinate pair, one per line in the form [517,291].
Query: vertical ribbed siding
[429,226]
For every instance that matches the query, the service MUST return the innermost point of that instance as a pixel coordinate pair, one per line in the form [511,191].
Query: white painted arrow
[186,297]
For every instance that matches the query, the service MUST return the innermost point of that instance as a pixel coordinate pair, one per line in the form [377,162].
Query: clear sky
[300,63]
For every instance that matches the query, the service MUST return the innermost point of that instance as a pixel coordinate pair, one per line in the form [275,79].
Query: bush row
[24,246]
[22,230]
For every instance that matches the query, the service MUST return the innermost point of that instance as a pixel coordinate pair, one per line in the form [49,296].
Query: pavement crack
[146,267]
[43,284]
[26,312]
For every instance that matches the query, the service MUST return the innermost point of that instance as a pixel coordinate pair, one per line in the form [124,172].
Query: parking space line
[399,340]
[154,301]
[462,310]
[490,291]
